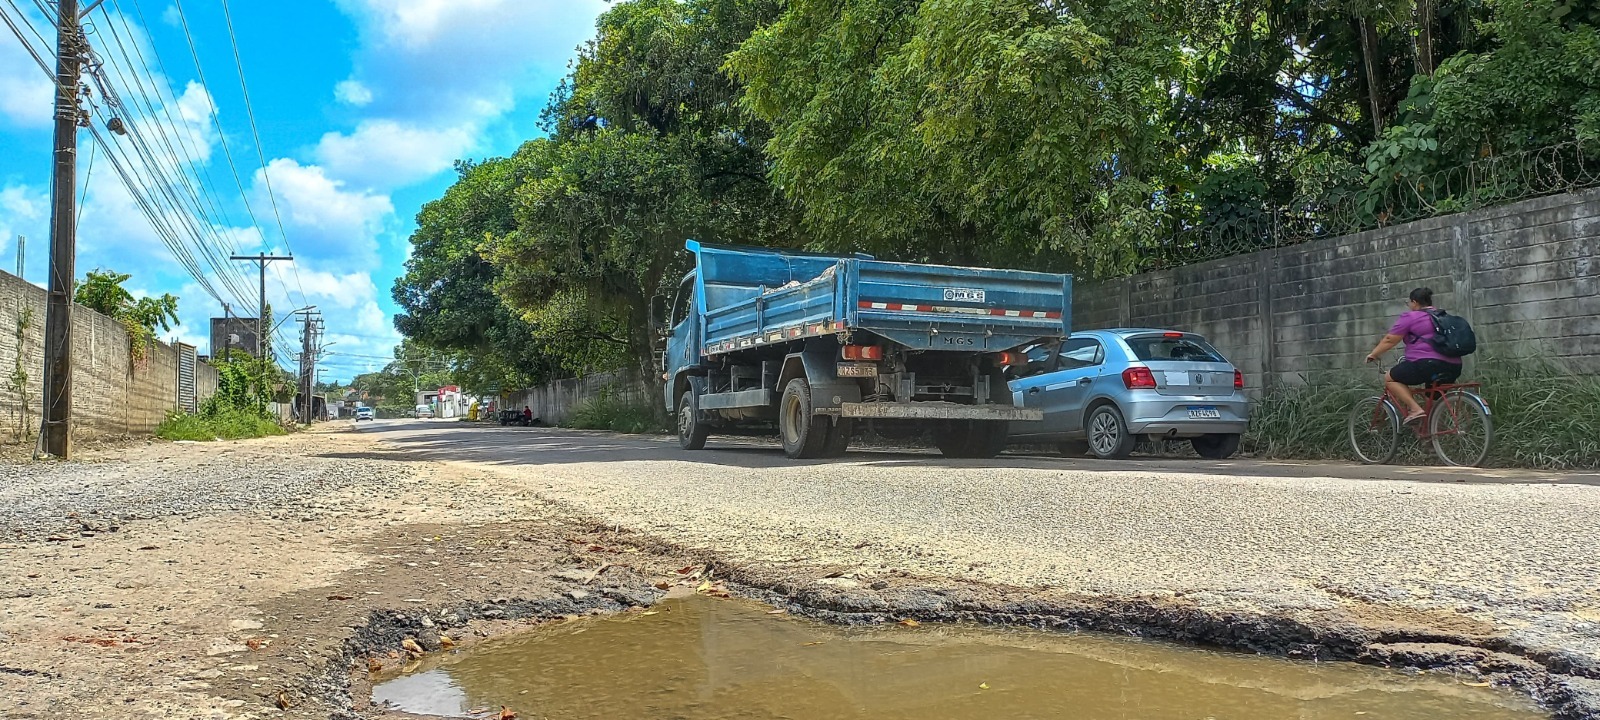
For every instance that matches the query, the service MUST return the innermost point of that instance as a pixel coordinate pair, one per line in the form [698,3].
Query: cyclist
[1423,364]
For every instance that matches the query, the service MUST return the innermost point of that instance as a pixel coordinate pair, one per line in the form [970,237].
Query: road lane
[1509,553]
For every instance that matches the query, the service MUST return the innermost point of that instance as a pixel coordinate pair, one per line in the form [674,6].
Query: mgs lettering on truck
[958,340]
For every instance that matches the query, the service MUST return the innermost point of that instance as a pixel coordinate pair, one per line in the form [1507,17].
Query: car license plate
[964,295]
[1204,413]
[856,370]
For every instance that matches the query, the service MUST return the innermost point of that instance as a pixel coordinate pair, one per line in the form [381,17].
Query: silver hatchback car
[1104,389]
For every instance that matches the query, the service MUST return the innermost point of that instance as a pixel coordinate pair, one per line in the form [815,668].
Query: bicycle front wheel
[1462,428]
[1375,430]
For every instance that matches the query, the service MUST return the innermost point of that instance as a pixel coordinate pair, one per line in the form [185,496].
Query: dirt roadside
[278,607]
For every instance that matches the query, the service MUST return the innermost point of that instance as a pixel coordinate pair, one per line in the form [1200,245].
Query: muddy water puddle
[714,659]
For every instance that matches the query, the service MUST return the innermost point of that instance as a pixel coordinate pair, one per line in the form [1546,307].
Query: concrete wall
[1527,275]
[553,403]
[112,396]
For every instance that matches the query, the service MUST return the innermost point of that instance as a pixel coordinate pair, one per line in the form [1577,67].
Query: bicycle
[1456,420]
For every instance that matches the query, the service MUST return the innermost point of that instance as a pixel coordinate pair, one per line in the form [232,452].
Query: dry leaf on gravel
[908,622]
[283,701]
[663,585]
[447,642]
[255,643]
[338,597]
[507,714]
[411,646]
[374,665]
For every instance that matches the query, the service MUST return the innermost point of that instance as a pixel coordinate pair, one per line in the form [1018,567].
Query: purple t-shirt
[1416,327]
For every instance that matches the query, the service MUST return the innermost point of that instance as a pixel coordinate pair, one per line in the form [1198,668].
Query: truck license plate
[1204,413]
[856,370]
[964,295]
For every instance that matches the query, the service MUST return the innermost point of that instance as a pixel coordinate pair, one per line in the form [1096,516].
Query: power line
[261,155]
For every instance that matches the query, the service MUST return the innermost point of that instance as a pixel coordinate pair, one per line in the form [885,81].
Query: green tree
[102,292]
[649,146]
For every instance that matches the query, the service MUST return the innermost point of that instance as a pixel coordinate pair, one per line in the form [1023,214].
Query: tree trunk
[642,346]
[1369,58]
[1425,10]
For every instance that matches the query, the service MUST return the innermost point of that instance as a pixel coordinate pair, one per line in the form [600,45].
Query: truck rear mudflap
[937,411]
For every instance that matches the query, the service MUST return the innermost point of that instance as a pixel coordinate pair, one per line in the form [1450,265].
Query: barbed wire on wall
[1483,183]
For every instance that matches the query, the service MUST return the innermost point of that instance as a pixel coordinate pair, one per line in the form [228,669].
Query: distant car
[364,413]
[1104,389]
[424,411]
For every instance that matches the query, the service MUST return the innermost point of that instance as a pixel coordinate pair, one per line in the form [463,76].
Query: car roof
[1127,332]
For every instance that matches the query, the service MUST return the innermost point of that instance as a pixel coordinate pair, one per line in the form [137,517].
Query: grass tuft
[217,425]
[610,411]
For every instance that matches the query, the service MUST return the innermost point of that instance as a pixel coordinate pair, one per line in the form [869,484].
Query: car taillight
[1138,377]
[1238,380]
[863,352]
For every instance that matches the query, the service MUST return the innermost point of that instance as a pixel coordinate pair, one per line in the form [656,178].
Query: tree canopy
[1099,137]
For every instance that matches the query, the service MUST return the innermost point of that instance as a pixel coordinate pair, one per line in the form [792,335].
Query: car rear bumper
[1170,415]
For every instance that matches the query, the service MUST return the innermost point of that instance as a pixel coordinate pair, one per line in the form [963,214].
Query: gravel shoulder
[264,578]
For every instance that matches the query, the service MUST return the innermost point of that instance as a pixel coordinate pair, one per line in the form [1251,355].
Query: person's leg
[1402,392]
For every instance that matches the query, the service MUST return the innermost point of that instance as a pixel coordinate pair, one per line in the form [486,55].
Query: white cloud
[448,62]
[352,92]
[171,16]
[385,153]
[26,97]
[325,218]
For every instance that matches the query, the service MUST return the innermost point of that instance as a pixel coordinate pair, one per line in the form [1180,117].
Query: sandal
[1413,418]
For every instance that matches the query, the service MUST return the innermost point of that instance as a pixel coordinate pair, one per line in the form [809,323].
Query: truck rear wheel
[972,439]
[838,438]
[805,434]
[692,432]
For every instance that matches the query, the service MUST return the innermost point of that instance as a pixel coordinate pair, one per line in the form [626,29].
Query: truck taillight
[1238,380]
[863,352]
[1009,358]
[1138,377]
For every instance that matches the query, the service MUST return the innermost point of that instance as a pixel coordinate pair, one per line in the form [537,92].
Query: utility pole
[261,260]
[70,45]
[309,347]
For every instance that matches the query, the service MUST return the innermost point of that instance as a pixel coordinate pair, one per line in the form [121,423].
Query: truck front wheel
[692,432]
[805,434]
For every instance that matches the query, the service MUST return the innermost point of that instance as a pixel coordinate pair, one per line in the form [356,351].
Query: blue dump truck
[817,343]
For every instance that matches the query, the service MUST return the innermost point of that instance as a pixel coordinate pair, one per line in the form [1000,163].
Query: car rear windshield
[1159,348]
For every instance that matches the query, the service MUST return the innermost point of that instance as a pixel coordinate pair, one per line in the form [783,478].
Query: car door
[1063,393]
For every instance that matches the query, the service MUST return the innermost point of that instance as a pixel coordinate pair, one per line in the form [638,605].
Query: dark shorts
[1425,372]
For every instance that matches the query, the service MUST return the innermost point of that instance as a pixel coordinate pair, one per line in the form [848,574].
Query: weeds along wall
[113,395]
[557,403]
[1527,275]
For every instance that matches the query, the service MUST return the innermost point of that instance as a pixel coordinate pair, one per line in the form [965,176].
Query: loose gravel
[67,500]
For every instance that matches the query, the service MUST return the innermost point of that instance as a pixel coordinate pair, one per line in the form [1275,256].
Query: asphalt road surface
[1514,553]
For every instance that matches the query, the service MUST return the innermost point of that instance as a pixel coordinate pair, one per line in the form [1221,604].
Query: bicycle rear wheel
[1374,430]
[1462,428]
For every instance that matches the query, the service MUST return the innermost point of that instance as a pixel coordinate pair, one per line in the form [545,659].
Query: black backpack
[1452,335]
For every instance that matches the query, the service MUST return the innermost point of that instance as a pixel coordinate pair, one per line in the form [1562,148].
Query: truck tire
[839,438]
[972,439]
[692,431]
[804,433]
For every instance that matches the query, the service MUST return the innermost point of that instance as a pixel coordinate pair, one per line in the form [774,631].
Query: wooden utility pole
[70,45]
[261,260]
[308,362]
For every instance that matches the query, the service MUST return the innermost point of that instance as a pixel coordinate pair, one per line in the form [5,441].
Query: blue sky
[362,107]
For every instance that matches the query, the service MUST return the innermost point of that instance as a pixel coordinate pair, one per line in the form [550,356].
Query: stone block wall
[112,396]
[1527,275]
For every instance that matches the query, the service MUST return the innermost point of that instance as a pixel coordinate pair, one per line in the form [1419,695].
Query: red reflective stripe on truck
[997,312]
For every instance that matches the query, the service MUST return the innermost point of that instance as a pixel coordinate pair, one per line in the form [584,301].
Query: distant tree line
[1048,134]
